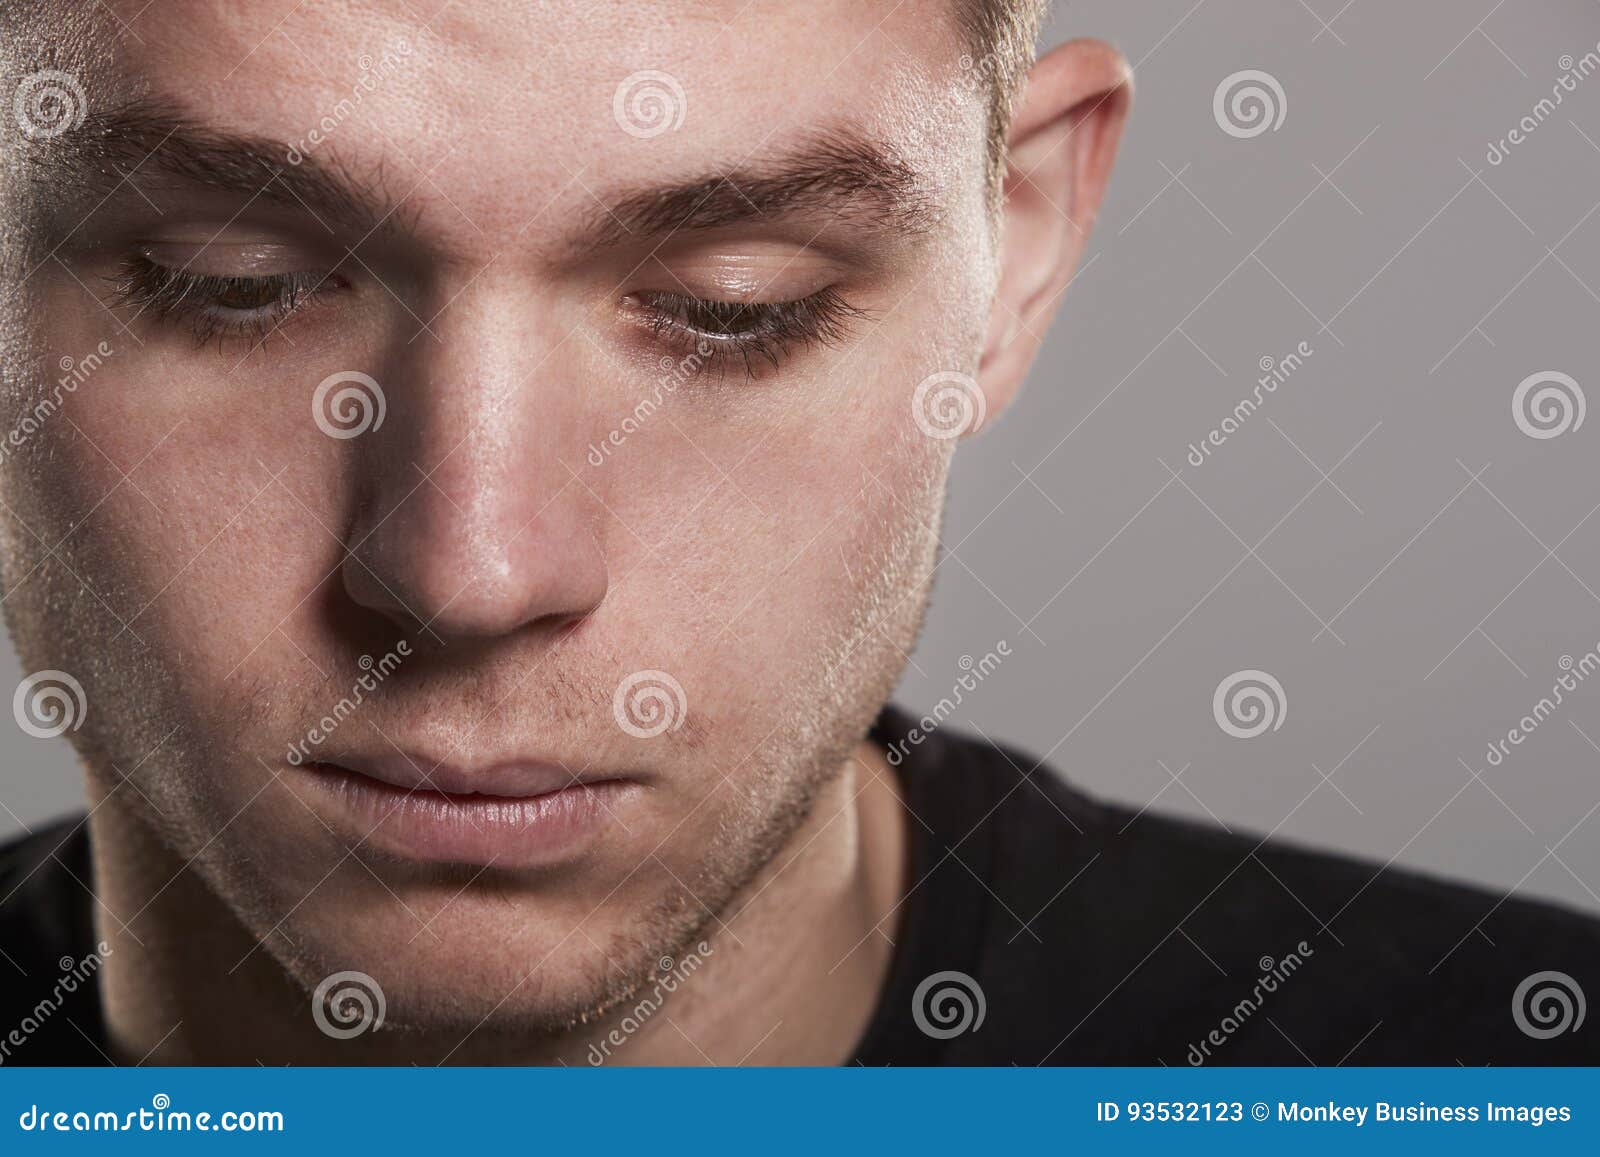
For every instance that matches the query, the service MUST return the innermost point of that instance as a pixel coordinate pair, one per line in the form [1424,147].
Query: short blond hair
[1000,35]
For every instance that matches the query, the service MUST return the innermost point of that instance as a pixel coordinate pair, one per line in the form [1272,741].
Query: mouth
[514,815]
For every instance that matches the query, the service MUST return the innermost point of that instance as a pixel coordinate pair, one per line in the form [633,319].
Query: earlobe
[1063,140]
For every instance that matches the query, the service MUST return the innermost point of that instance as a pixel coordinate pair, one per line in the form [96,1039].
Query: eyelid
[754,276]
[230,259]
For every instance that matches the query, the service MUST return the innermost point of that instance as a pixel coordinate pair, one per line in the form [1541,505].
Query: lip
[514,779]
[523,814]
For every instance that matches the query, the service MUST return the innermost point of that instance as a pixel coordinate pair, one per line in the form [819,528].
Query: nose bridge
[468,522]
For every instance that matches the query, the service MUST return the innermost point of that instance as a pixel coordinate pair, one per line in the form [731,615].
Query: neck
[811,932]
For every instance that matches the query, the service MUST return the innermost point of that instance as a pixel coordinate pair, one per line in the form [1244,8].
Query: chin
[497,957]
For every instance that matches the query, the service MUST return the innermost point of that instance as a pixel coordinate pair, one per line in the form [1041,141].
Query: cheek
[188,509]
[797,529]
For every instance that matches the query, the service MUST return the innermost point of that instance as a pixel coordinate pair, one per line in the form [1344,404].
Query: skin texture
[211,566]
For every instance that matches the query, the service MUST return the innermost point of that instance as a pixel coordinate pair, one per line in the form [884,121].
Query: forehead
[513,107]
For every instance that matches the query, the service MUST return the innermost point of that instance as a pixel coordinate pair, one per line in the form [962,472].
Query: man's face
[509,220]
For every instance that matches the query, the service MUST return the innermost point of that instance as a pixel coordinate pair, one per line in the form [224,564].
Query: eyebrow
[141,142]
[839,174]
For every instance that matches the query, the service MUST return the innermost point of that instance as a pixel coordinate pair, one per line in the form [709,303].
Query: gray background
[1380,535]
[1127,596]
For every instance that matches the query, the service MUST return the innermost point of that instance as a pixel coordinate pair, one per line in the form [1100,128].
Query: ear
[1063,139]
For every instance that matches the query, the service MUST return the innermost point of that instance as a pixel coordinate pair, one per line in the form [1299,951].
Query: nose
[468,523]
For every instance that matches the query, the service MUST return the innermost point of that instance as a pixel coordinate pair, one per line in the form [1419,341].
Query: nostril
[447,583]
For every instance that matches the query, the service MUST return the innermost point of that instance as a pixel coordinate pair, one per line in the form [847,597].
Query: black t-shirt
[1043,927]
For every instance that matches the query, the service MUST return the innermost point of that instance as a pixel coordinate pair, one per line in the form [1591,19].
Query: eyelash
[169,293]
[751,334]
